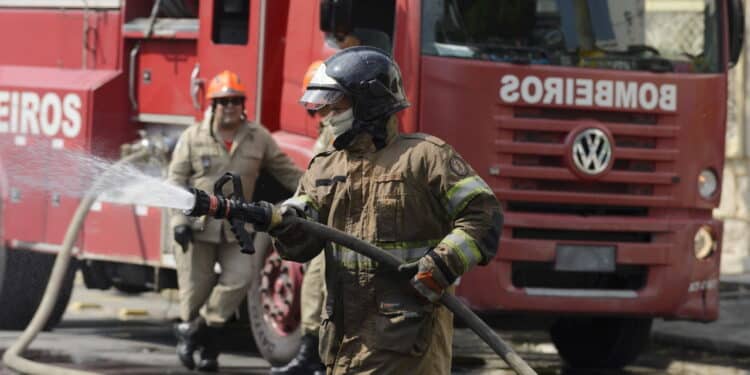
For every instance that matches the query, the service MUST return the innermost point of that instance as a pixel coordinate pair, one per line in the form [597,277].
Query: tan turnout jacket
[200,159]
[414,194]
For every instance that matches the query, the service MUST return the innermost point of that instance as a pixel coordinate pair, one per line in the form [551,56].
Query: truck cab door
[230,39]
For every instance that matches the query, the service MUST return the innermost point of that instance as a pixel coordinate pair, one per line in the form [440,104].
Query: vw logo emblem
[592,151]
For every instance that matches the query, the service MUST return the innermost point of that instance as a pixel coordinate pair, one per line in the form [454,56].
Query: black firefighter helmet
[369,77]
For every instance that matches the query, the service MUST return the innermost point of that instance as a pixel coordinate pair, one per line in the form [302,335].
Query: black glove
[183,234]
[282,226]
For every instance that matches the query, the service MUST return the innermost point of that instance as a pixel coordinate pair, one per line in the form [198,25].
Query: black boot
[306,362]
[189,336]
[209,353]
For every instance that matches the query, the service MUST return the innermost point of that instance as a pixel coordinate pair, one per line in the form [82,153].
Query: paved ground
[729,335]
[111,346]
[112,333]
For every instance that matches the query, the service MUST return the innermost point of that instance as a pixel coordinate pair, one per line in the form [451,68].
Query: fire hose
[237,211]
[12,357]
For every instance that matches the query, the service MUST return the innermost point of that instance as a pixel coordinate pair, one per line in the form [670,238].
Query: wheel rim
[280,286]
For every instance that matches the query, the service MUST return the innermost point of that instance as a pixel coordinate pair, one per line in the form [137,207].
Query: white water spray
[70,173]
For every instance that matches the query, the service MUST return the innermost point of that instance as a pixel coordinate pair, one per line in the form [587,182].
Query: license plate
[585,258]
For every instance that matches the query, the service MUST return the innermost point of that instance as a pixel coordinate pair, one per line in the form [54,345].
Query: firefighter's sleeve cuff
[303,203]
[460,251]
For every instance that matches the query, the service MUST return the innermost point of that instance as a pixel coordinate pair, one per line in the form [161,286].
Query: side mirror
[336,16]
[736,30]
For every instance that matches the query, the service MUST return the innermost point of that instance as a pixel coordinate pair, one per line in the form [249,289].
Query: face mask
[339,123]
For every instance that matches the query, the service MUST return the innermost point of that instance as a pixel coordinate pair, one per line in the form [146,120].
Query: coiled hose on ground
[12,357]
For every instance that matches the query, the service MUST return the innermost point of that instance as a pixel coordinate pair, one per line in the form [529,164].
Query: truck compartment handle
[195,86]
[134,54]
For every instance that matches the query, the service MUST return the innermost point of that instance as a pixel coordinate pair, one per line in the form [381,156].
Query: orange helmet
[225,84]
[309,73]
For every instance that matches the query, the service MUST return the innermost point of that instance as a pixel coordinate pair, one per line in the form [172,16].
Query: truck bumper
[674,283]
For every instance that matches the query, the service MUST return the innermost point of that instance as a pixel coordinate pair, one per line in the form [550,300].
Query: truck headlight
[703,243]
[707,183]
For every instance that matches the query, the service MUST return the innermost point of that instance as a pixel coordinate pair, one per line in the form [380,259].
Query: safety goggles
[234,100]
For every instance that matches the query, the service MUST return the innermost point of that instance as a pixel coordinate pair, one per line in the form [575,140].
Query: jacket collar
[363,142]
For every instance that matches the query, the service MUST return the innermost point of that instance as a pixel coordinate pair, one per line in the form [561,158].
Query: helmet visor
[316,98]
[321,91]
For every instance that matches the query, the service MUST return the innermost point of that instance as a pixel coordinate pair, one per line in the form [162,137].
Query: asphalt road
[114,333]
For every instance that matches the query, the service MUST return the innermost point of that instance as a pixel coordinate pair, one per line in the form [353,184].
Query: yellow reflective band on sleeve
[305,204]
[465,247]
[463,192]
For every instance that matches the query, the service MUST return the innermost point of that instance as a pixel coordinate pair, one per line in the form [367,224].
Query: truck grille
[581,235]
[576,209]
[546,201]
[532,156]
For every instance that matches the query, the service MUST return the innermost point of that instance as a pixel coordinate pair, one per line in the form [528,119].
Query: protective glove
[281,226]
[183,235]
[432,277]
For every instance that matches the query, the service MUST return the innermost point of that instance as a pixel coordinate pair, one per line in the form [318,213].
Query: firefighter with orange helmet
[224,142]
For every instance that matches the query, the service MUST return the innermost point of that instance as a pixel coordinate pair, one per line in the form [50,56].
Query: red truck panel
[50,110]
[164,68]
[126,233]
[57,38]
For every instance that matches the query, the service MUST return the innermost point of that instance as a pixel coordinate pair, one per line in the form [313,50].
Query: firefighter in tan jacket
[312,296]
[224,142]
[412,195]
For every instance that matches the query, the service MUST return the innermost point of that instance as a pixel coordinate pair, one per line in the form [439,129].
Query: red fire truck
[600,129]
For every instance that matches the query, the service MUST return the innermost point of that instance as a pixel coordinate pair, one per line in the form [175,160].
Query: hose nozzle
[206,204]
[237,212]
[260,214]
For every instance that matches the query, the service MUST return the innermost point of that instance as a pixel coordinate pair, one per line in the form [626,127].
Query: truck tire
[23,279]
[600,342]
[277,339]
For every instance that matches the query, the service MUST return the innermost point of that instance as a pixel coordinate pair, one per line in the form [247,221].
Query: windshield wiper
[512,54]
[647,58]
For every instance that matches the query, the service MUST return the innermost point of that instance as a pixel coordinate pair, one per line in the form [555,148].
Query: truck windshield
[650,35]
